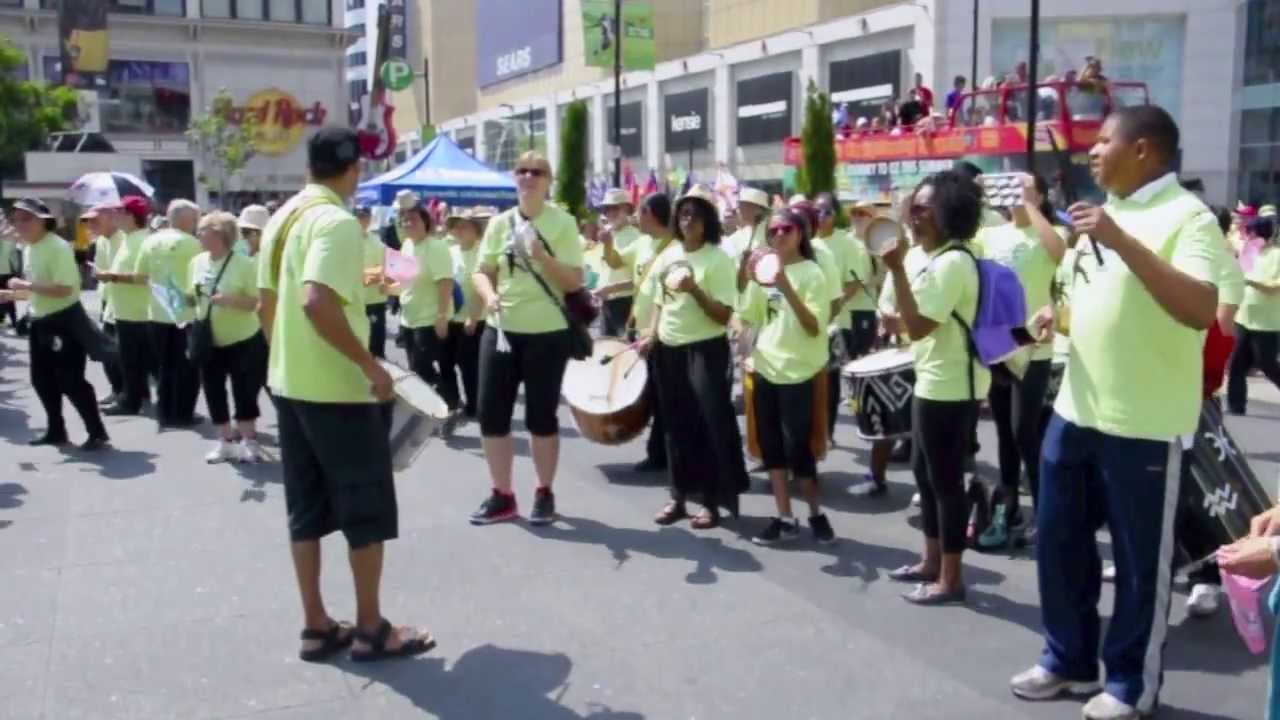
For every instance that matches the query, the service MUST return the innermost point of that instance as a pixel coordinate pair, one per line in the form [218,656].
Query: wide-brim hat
[34,207]
[1267,211]
[616,197]
[407,199]
[254,217]
[460,215]
[100,208]
[754,196]
[862,206]
[699,192]
[483,212]
[797,199]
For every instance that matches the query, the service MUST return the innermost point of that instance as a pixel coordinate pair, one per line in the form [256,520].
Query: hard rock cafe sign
[279,120]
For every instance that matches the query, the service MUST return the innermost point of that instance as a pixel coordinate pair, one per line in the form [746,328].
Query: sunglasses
[919,210]
[781,230]
[826,212]
[530,172]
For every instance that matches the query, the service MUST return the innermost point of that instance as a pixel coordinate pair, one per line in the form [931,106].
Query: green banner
[600,34]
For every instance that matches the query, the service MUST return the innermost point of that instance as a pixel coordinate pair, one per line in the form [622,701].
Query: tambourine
[675,273]
[764,265]
[882,235]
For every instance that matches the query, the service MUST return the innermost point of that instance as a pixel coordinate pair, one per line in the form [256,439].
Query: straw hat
[754,196]
[254,217]
[699,192]
[459,215]
[616,197]
[1267,211]
[483,212]
[407,199]
[797,199]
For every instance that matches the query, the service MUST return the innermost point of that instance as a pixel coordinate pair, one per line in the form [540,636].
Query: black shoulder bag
[200,336]
[584,307]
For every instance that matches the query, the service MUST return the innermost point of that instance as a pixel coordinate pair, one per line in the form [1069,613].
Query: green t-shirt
[104,249]
[464,266]
[374,255]
[1064,276]
[599,273]
[1230,278]
[1020,250]
[682,320]
[325,246]
[837,246]
[165,258]
[129,302]
[52,260]
[230,325]
[642,257]
[1260,311]
[948,283]
[524,305]
[784,353]
[861,270]
[420,302]
[308,195]
[745,239]
[1133,371]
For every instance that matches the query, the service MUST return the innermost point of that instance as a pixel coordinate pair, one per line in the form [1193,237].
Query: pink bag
[400,267]
[1244,595]
[1249,253]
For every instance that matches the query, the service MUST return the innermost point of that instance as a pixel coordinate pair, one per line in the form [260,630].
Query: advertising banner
[516,37]
[1147,48]
[632,128]
[764,109]
[398,47]
[600,34]
[687,120]
[82,29]
[864,84]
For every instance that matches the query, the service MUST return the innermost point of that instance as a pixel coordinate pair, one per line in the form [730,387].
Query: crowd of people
[1117,296]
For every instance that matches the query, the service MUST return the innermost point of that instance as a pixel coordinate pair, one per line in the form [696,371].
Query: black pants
[461,354]
[112,369]
[656,446]
[377,329]
[834,384]
[861,338]
[57,370]
[1254,349]
[8,309]
[425,352]
[535,360]
[784,425]
[940,433]
[613,316]
[1016,408]
[245,363]
[179,385]
[136,362]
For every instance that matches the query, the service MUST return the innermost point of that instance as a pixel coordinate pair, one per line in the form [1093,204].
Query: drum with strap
[605,393]
[418,413]
[1224,494]
[882,385]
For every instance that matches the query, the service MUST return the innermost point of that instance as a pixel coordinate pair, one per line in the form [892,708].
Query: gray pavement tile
[28,602]
[152,535]
[33,543]
[22,680]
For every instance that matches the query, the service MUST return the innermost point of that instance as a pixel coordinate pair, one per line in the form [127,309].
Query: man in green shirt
[57,355]
[327,387]
[164,262]
[1131,396]
[127,301]
[617,234]
[104,222]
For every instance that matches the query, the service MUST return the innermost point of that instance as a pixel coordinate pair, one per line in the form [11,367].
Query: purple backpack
[1000,324]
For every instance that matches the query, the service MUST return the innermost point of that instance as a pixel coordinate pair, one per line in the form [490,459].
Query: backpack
[1000,324]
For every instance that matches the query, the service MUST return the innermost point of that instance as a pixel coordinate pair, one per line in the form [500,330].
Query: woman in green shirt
[789,358]
[944,213]
[462,351]
[223,286]
[1257,320]
[697,287]
[427,304]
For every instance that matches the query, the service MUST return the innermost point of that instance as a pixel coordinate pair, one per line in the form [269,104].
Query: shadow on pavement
[669,543]
[10,495]
[486,682]
[259,476]
[625,474]
[1211,645]
[833,489]
[113,463]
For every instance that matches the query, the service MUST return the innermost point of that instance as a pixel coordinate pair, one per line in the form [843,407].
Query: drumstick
[630,367]
[606,359]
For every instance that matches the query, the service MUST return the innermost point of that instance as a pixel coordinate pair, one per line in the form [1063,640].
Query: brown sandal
[671,514]
[705,520]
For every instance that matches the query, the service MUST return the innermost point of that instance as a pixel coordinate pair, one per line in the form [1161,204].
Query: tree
[29,111]
[571,176]
[427,134]
[223,146]
[819,143]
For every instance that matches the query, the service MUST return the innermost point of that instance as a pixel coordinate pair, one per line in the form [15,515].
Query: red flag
[629,183]
[651,185]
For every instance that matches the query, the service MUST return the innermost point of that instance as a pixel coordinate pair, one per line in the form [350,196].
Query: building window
[1259,155]
[357,29]
[355,4]
[357,59]
[315,12]
[141,96]
[1262,43]
[173,8]
[283,10]
[234,9]
[10,3]
[215,8]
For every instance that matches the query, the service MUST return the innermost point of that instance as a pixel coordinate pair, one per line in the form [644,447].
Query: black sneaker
[49,438]
[544,507]
[120,411]
[822,532]
[498,507]
[96,443]
[778,530]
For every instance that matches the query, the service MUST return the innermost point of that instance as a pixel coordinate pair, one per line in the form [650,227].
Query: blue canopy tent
[443,171]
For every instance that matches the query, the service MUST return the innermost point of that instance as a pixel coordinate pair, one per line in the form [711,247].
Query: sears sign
[516,37]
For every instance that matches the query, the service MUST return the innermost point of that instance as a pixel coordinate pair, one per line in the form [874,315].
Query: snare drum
[883,385]
[674,274]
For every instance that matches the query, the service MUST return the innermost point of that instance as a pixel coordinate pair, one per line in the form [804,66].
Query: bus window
[978,109]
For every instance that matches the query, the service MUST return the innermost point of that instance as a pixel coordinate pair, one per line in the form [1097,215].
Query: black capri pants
[245,363]
[784,425]
[940,433]
[1016,408]
[536,360]
[377,313]
[336,459]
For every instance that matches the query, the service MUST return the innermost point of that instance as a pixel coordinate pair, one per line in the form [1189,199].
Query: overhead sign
[516,37]
[396,74]
[764,108]
[280,120]
[600,34]
[866,83]
[632,128]
[687,120]
[398,47]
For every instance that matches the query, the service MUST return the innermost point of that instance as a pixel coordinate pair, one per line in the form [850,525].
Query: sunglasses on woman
[781,230]
[531,172]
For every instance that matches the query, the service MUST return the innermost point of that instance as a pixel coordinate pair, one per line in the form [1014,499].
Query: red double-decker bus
[987,128]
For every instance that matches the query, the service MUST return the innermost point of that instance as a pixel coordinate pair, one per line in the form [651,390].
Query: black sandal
[377,643]
[332,641]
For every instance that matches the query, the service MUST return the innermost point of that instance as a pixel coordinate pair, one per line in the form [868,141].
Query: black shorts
[337,471]
[536,360]
[784,425]
[861,338]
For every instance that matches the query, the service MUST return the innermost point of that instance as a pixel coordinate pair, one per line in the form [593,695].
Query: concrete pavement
[142,583]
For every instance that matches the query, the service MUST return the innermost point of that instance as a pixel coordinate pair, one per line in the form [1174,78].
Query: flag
[651,185]
[688,183]
[400,267]
[169,297]
[726,190]
[629,183]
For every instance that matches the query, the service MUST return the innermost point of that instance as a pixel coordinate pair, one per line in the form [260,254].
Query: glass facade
[508,138]
[172,8]
[1262,42]
[1258,178]
[310,12]
[140,96]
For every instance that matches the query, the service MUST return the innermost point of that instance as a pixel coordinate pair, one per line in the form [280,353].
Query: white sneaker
[223,452]
[1036,683]
[1204,600]
[915,500]
[1105,706]
[250,452]
[1109,572]
[863,487]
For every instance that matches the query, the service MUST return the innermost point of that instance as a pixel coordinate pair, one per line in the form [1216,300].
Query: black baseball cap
[35,207]
[331,151]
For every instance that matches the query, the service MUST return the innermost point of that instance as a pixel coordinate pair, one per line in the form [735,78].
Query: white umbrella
[99,187]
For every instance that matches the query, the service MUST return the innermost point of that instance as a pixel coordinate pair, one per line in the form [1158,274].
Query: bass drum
[418,413]
[605,393]
[883,384]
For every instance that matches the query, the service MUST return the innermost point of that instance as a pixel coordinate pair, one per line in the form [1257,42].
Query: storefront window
[315,12]
[1259,155]
[216,8]
[1262,43]
[175,8]
[237,9]
[140,96]
[283,10]
[10,3]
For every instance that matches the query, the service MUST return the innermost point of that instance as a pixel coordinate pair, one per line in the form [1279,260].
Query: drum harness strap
[644,273]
